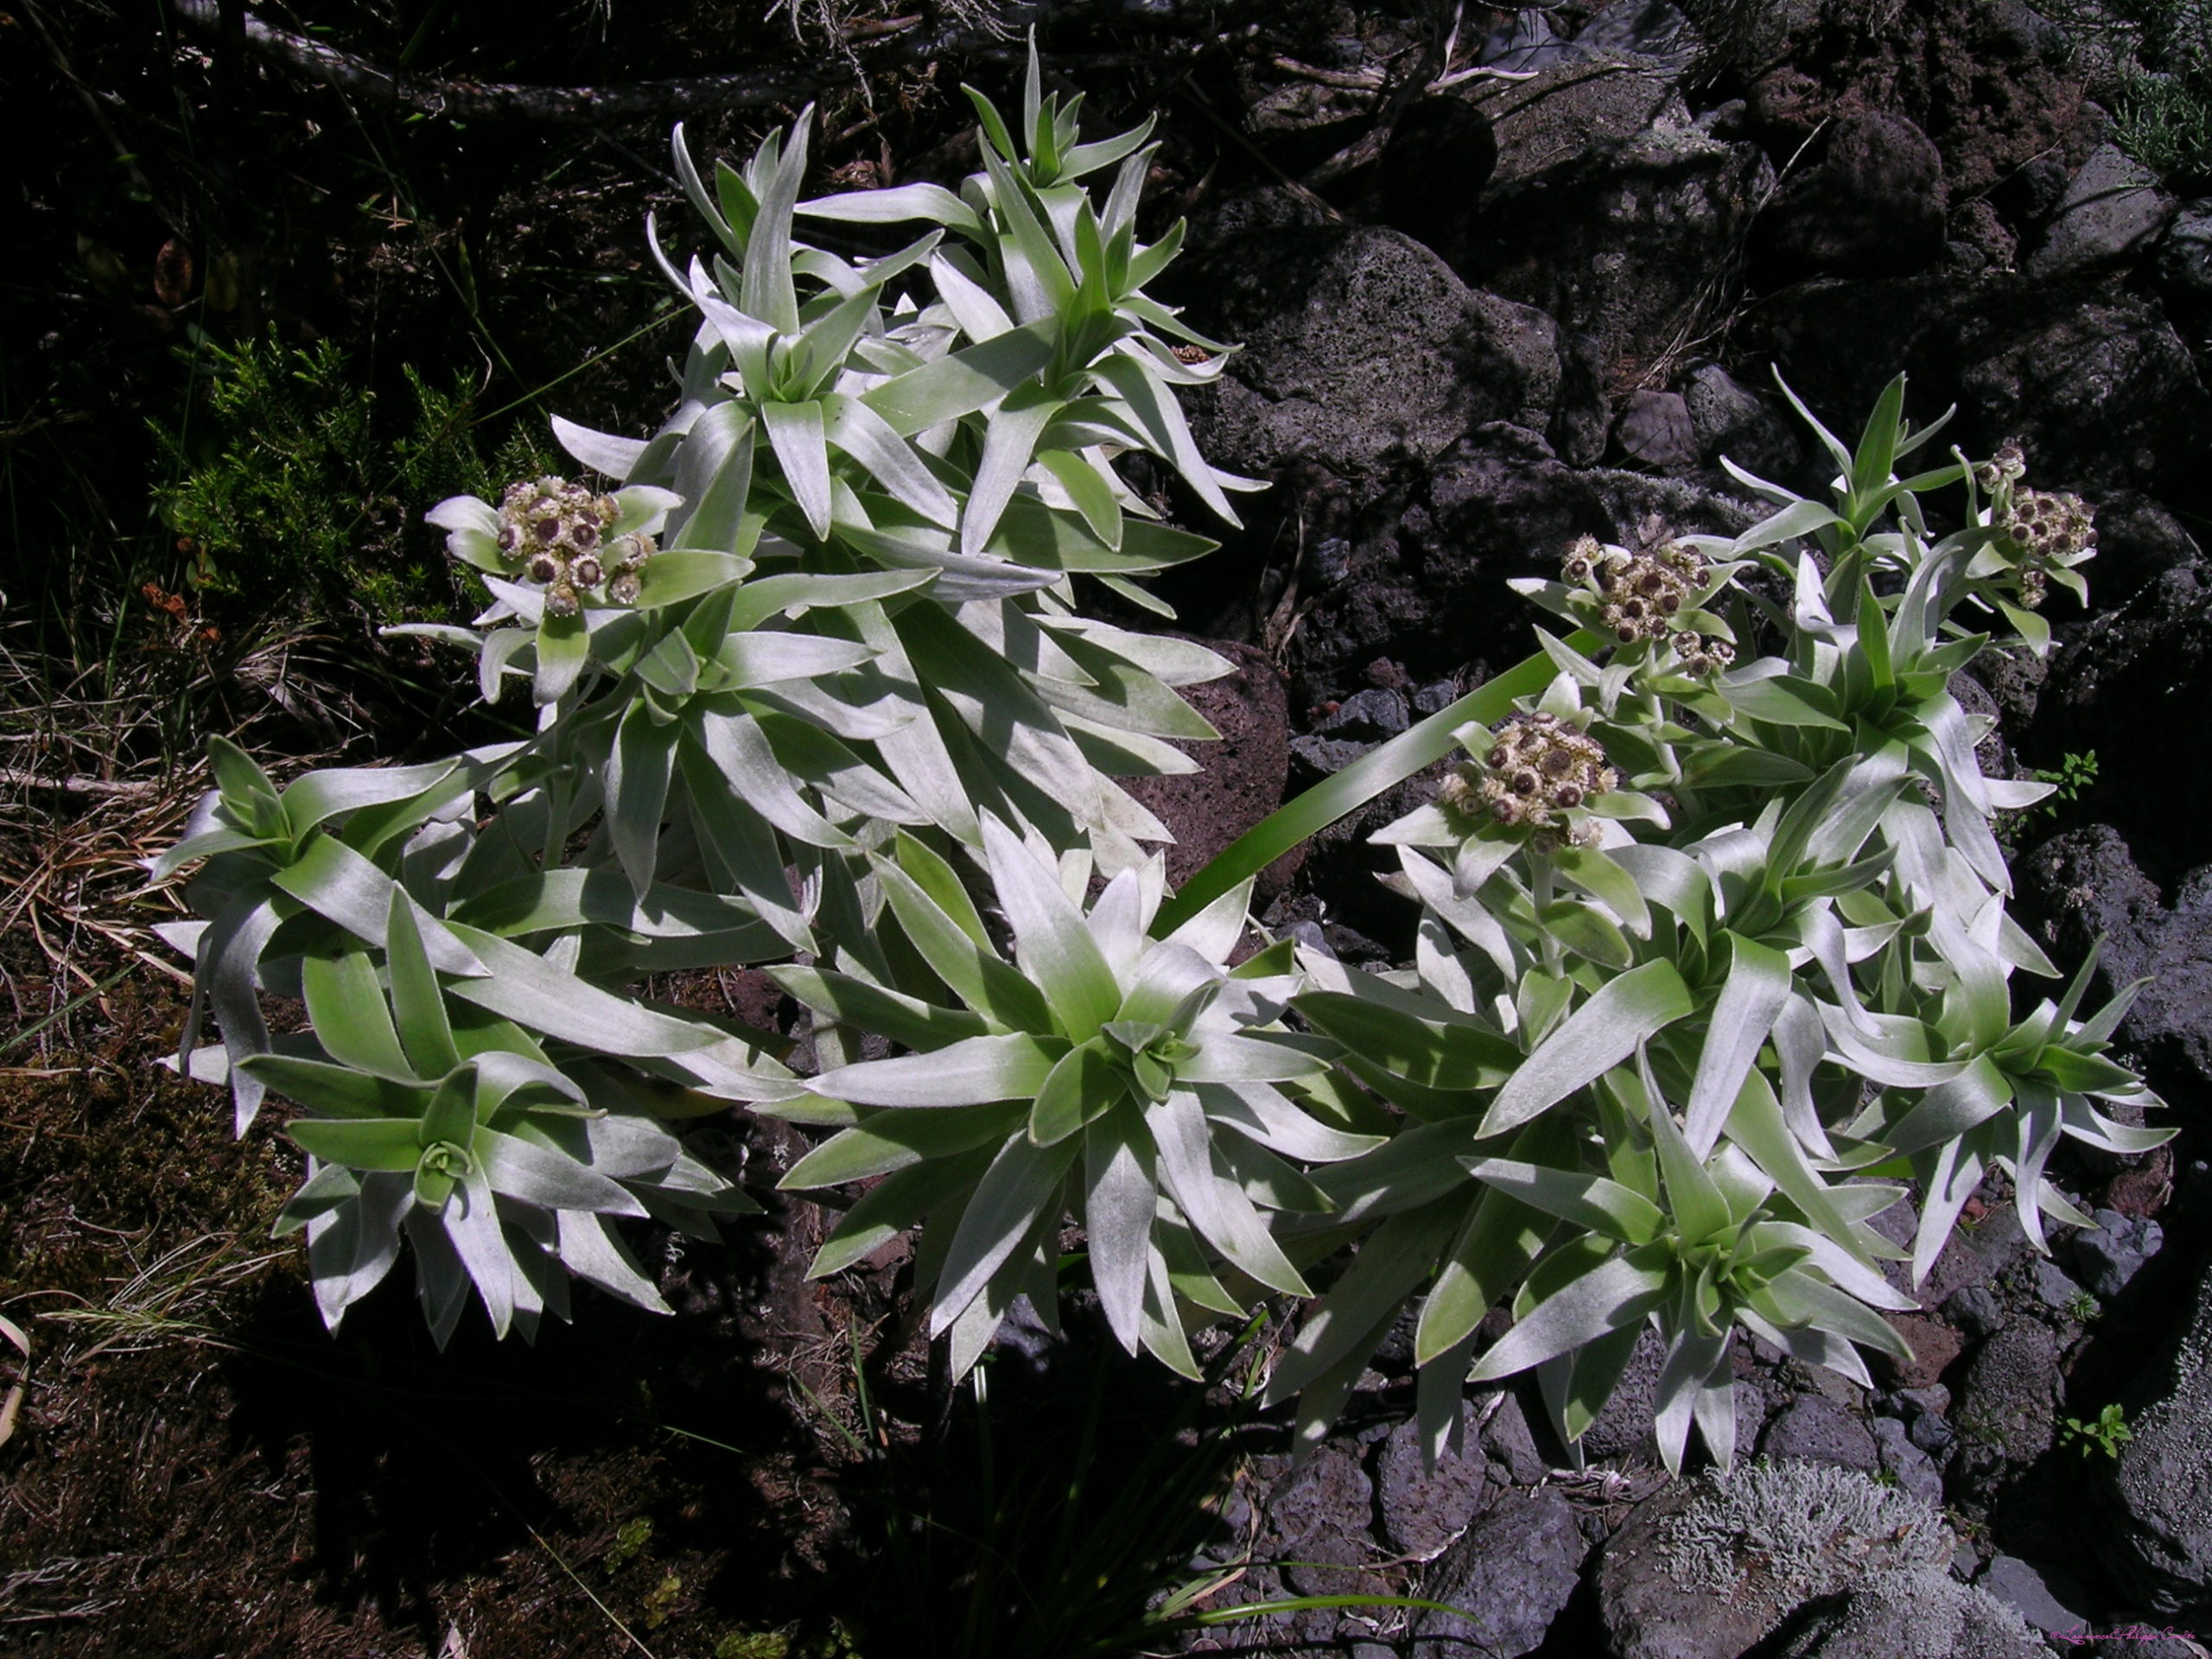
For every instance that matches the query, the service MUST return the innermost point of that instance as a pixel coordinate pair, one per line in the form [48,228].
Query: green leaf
[968,380]
[1092,495]
[896,205]
[974,971]
[677,574]
[890,1141]
[1009,441]
[1595,1038]
[974,1072]
[346,1007]
[1877,444]
[1751,999]
[335,1090]
[638,771]
[1781,700]
[1591,1201]
[796,434]
[1081,1085]
[906,1021]
[1617,1293]
[416,1000]
[1050,941]
[1015,1190]
[563,648]
[1496,1247]
[386,1143]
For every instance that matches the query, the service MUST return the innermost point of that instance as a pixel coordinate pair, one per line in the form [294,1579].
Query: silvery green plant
[1675,1031]
[1140,1085]
[828,604]
[1712,964]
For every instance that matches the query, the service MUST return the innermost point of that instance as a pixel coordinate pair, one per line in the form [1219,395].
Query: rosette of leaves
[1139,1085]
[502,1168]
[471,1082]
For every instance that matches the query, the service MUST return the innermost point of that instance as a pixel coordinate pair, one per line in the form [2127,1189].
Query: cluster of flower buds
[1701,654]
[1540,768]
[1640,594]
[2002,470]
[2040,531]
[555,534]
[2045,527]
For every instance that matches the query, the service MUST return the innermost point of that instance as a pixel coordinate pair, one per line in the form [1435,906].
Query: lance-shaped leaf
[1626,1012]
[1021,1184]
[1616,1293]
[1010,1066]
[1751,999]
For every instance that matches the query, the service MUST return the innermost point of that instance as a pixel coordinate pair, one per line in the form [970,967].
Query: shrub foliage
[1713,955]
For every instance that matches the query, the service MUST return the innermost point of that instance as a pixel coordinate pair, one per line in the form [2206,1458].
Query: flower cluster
[556,533]
[2004,469]
[1642,593]
[1702,655]
[1539,768]
[2045,528]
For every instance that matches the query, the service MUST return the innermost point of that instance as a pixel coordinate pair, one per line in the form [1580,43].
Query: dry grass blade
[166,1300]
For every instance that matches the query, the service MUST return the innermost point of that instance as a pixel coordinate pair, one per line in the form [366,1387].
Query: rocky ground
[1480,319]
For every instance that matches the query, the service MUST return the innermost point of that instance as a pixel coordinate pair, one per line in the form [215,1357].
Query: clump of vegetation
[295,481]
[2101,1435]
[1713,917]
[2153,60]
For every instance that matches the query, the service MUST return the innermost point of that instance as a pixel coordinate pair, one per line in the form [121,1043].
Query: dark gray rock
[2083,886]
[1654,431]
[1928,1418]
[1872,205]
[2055,1288]
[2046,1597]
[2098,389]
[1732,421]
[1913,1470]
[1272,207]
[1370,716]
[1821,1431]
[1440,155]
[2132,685]
[1424,585]
[1648,31]
[1919,1615]
[1423,1509]
[2113,1251]
[1508,1576]
[2160,1549]
[2111,213]
[1318,1515]
[1571,107]
[2137,542]
[1616,237]
[1583,423]
[2008,1396]
[1622,1431]
[1509,1442]
[1361,350]
[2182,267]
